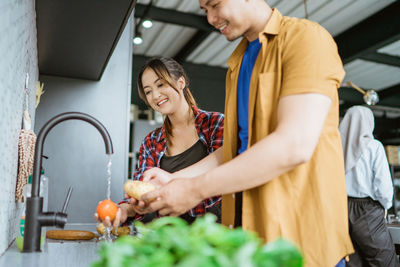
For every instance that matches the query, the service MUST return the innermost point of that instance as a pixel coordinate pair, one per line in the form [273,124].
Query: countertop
[81,253]
[55,252]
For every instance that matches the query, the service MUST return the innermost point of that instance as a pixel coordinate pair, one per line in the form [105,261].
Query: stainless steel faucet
[35,217]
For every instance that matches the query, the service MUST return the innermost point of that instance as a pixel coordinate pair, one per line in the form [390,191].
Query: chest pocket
[266,102]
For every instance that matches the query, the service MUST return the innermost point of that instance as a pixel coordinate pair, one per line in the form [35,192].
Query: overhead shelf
[77,38]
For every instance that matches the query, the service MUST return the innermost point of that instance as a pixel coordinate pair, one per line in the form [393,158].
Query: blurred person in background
[369,189]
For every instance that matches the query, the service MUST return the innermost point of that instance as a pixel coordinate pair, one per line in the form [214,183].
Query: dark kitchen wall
[75,149]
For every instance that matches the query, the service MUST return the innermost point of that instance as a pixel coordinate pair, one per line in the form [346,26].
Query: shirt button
[233,195]
[230,226]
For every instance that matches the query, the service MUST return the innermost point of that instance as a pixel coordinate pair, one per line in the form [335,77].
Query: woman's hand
[124,211]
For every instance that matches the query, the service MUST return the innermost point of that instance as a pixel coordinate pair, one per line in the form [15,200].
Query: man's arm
[206,164]
[300,120]
[160,177]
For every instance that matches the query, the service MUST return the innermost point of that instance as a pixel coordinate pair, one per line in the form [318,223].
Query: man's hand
[137,206]
[157,176]
[174,199]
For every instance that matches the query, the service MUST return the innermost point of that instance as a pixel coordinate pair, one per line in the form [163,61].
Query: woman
[369,189]
[187,135]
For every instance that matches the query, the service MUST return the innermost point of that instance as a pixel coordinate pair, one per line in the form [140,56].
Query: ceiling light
[138,40]
[147,23]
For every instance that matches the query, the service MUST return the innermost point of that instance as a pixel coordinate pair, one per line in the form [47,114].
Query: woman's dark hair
[168,70]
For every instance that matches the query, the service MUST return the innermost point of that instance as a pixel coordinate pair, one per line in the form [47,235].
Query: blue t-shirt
[248,61]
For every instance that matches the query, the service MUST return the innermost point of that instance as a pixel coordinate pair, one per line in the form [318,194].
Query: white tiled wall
[18,56]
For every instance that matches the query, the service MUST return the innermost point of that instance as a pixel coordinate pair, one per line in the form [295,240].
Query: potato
[123,230]
[136,189]
[100,228]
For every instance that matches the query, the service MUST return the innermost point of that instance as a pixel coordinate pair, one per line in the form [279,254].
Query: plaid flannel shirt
[210,128]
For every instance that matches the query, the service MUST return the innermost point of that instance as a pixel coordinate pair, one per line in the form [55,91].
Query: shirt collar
[161,134]
[273,25]
[196,113]
[271,28]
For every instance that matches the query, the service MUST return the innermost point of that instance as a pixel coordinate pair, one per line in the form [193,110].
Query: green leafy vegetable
[170,241]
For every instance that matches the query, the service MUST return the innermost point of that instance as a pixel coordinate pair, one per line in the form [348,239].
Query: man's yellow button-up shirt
[307,205]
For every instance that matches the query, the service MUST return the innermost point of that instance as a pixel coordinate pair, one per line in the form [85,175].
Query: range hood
[76,38]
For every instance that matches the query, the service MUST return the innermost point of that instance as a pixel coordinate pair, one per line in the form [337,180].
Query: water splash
[109,177]
[107,235]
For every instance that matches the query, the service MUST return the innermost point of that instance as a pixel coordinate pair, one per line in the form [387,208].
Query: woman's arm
[128,207]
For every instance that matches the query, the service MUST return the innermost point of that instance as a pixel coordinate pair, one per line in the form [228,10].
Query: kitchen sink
[60,253]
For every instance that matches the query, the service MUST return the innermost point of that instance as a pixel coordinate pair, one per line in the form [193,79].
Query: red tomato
[107,208]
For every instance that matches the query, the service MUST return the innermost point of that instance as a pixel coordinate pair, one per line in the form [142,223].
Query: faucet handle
[64,208]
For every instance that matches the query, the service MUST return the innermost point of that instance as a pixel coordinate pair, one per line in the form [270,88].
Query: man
[282,146]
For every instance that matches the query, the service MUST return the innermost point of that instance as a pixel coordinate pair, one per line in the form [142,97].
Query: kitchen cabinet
[77,38]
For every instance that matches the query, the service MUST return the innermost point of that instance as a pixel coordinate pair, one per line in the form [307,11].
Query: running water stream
[109,177]
[108,236]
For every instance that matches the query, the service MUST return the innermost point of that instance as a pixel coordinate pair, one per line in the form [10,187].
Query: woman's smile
[159,103]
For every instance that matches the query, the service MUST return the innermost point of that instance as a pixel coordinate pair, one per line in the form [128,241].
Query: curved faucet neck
[46,129]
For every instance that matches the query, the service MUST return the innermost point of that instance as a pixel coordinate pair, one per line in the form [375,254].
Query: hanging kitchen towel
[26,151]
